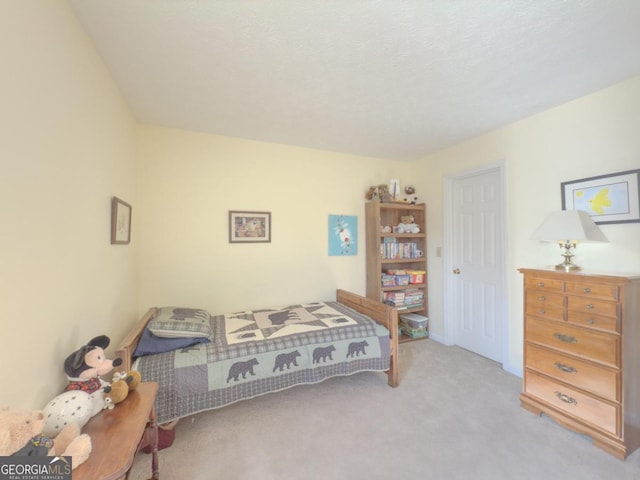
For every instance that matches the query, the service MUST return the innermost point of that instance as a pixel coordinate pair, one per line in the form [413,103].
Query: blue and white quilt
[262,351]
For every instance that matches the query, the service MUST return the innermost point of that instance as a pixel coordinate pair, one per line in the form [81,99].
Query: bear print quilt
[262,351]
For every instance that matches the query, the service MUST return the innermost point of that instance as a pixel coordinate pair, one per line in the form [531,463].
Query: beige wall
[188,182]
[67,143]
[594,135]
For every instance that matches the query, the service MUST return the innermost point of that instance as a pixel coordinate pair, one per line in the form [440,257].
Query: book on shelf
[412,298]
[399,250]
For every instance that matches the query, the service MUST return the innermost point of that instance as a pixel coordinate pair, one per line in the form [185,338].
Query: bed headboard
[130,342]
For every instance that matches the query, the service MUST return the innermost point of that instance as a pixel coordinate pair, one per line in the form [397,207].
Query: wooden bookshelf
[378,215]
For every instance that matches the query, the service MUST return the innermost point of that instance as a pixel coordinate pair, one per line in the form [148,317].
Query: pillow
[171,322]
[150,344]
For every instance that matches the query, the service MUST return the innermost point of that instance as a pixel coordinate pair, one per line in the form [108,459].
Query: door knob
[456,271]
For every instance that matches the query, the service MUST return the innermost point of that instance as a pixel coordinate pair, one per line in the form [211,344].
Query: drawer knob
[590,306]
[541,311]
[587,290]
[541,284]
[565,338]
[566,398]
[542,297]
[591,321]
[565,368]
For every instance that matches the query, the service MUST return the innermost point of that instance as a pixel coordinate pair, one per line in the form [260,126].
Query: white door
[476,259]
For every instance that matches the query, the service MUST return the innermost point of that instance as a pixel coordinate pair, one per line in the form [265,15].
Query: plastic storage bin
[414,325]
[416,276]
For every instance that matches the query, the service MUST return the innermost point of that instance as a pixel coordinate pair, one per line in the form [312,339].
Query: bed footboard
[384,315]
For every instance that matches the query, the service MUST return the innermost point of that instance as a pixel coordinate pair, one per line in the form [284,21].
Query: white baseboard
[437,338]
[506,366]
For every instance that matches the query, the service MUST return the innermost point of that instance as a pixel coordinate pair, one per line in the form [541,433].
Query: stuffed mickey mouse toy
[84,366]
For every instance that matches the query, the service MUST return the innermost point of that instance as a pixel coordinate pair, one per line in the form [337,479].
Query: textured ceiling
[381,78]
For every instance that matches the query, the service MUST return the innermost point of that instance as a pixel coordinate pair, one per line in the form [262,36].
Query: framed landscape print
[120,221]
[249,227]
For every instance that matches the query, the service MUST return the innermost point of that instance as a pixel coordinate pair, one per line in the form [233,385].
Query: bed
[263,351]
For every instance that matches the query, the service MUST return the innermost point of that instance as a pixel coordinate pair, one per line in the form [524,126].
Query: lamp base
[568,267]
[567,254]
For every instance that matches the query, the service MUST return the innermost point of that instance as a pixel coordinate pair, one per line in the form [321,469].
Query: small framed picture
[249,227]
[120,221]
[612,198]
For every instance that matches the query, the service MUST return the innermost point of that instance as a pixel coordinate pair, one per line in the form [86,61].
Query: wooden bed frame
[381,313]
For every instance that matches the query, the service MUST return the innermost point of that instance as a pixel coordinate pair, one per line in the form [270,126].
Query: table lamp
[567,228]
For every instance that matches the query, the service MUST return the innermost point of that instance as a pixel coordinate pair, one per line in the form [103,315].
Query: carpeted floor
[455,416]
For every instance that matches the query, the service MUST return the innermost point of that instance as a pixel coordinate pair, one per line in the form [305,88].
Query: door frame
[448,266]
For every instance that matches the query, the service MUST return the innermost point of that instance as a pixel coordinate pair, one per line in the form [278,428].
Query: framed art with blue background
[343,235]
[612,198]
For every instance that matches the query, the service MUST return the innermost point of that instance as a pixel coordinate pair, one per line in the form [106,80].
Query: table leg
[153,430]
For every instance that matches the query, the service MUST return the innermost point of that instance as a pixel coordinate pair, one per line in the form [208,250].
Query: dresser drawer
[588,305]
[545,304]
[596,379]
[543,283]
[611,324]
[593,290]
[598,412]
[590,344]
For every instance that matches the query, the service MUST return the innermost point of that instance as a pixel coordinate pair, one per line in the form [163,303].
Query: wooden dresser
[582,354]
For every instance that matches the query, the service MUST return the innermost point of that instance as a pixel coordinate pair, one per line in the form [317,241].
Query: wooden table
[117,434]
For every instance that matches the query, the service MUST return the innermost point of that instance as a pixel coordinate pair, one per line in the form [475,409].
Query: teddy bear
[21,435]
[407,225]
[87,394]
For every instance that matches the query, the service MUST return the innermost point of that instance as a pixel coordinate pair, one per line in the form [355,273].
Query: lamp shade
[570,225]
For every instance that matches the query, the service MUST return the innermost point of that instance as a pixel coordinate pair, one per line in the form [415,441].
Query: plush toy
[372,193]
[383,193]
[132,378]
[121,384]
[85,366]
[21,435]
[74,406]
[86,393]
[407,225]
[411,198]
